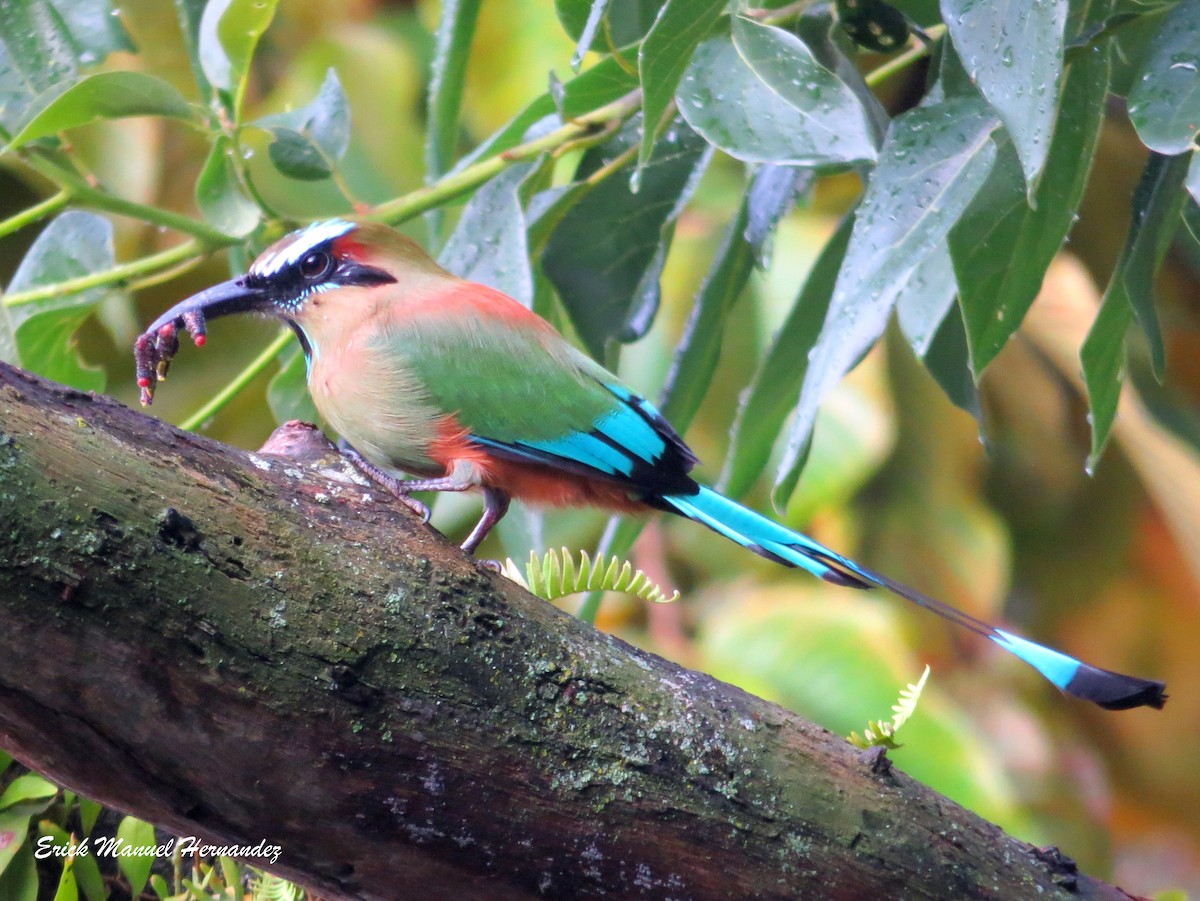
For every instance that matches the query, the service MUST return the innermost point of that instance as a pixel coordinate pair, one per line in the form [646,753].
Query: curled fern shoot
[556,574]
[882,732]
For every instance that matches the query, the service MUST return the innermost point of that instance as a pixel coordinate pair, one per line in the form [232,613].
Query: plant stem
[457,183]
[114,276]
[35,212]
[917,51]
[85,195]
[253,369]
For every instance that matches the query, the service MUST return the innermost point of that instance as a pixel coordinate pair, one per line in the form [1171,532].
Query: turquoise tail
[766,538]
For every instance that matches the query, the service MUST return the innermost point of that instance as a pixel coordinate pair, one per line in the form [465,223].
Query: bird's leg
[495,505]
[398,488]
[495,501]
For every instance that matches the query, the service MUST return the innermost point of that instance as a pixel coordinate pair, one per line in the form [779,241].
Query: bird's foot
[398,488]
[491,565]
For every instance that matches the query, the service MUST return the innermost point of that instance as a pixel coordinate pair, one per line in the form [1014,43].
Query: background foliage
[800,206]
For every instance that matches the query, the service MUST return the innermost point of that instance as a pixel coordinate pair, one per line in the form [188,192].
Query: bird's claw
[417,507]
[484,563]
[154,350]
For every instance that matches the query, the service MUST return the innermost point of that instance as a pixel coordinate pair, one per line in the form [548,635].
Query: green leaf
[546,210]
[310,141]
[932,163]
[15,96]
[583,43]
[1130,293]
[229,33]
[932,323]
[948,360]
[29,787]
[68,889]
[832,48]
[1016,58]
[1164,104]
[86,871]
[75,244]
[287,392]
[14,826]
[1193,179]
[160,887]
[624,22]
[452,50]
[136,867]
[763,97]
[190,13]
[219,195]
[606,254]
[772,393]
[926,299]
[232,874]
[40,46]
[105,95]
[768,198]
[89,810]
[297,157]
[489,244]
[1002,245]
[602,83]
[18,876]
[96,28]
[664,55]
[43,45]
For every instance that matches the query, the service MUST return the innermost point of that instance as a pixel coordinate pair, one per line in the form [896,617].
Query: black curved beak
[233,296]
[156,346]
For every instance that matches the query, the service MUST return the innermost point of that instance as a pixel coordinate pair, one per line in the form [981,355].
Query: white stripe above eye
[303,241]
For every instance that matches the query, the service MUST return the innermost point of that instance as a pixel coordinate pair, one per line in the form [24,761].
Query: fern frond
[883,733]
[877,733]
[909,697]
[274,888]
[556,574]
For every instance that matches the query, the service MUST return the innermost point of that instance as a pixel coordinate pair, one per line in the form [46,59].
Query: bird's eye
[316,265]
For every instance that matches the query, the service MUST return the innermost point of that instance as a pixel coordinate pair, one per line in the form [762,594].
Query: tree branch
[244,647]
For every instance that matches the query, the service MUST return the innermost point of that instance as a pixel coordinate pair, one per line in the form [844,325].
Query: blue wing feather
[631,444]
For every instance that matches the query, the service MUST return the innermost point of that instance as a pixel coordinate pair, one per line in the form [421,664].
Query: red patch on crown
[346,247]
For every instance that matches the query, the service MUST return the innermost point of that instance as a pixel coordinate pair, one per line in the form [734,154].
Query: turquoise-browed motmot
[425,374]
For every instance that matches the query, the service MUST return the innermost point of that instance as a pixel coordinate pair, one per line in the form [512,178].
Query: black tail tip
[1115,691]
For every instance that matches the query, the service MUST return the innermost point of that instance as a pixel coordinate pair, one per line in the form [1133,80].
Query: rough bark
[242,647]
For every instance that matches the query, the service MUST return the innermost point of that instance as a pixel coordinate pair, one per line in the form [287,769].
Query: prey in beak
[155,348]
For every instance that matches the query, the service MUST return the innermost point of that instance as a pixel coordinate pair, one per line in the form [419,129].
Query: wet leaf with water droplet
[624,22]
[605,255]
[771,396]
[1130,292]
[105,95]
[229,34]
[761,96]
[489,244]
[1164,104]
[1025,95]
[311,140]
[932,163]
[1002,246]
[770,195]
[219,194]
[74,244]
[664,55]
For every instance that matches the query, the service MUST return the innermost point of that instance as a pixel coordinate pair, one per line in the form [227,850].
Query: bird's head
[338,260]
